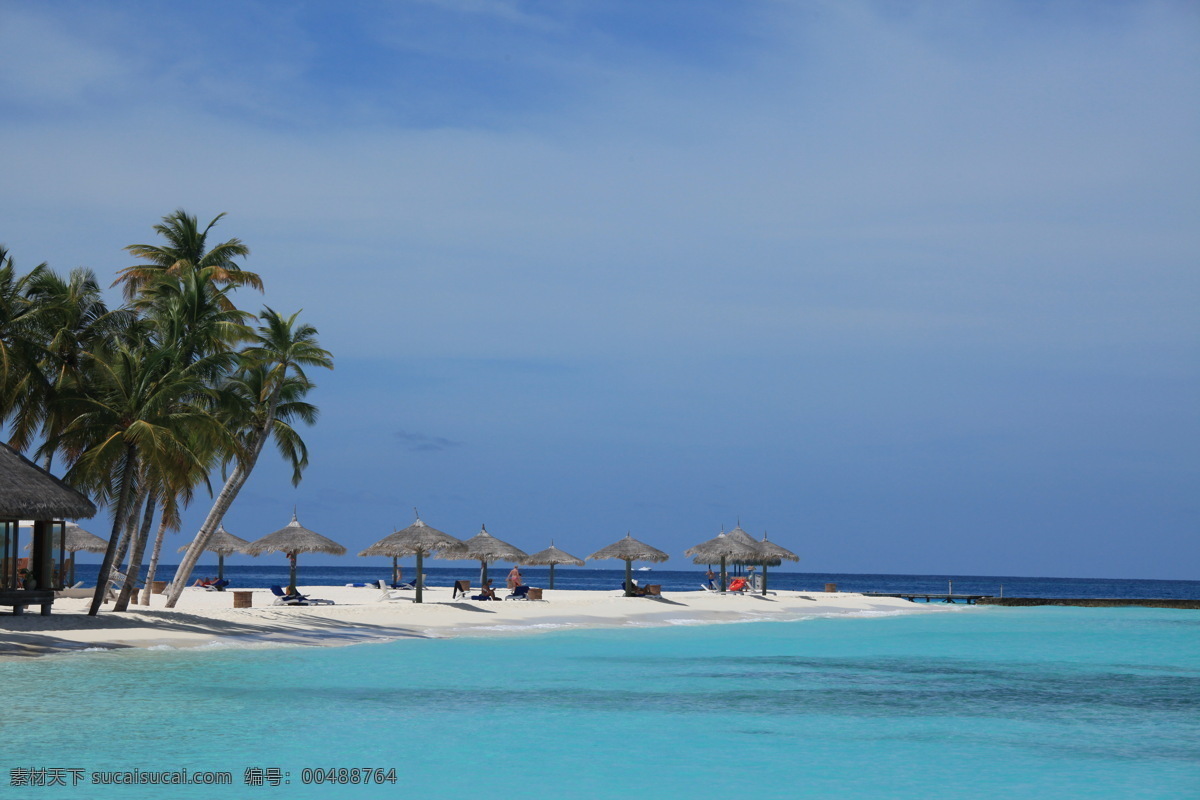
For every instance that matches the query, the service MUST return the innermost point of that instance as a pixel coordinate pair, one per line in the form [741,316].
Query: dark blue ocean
[258,575]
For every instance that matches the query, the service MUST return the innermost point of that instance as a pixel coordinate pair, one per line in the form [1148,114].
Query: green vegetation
[143,403]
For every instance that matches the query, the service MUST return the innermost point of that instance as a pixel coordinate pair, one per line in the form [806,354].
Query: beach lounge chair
[411,585]
[738,586]
[518,593]
[461,587]
[283,598]
[217,586]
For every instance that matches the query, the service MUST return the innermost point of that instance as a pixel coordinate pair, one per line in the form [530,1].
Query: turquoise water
[972,703]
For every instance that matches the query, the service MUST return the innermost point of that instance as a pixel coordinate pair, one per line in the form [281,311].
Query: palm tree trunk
[130,527]
[135,557]
[229,492]
[153,568]
[127,473]
[216,514]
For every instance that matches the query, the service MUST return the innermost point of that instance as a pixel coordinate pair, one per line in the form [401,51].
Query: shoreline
[360,615]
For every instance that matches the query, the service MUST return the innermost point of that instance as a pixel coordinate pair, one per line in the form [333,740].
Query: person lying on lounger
[486,593]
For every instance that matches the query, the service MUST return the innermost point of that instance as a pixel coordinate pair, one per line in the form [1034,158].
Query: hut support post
[628,578]
[43,559]
[43,556]
[724,576]
[551,576]
[71,580]
[764,591]
[221,567]
[395,569]
[420,577]
[60,577]
[8,578]
[292,573]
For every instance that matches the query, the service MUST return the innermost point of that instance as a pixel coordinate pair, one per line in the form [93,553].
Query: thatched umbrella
[550,557]
[293,539]
[417,540]
[223,543]
[75,539]
[485,547]
[722,547]
[774,555]
[629,550]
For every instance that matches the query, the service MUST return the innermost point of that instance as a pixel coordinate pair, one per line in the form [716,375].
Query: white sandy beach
[359,614]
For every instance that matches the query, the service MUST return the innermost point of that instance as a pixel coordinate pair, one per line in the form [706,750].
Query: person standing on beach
[514,578]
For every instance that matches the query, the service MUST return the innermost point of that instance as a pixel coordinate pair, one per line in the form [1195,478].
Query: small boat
[643,569]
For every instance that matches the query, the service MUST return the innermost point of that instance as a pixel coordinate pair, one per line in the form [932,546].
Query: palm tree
[69,318]
[185,251]
[271,384]
[141,416]
[19,349]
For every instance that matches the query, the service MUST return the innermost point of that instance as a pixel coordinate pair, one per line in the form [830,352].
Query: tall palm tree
[185,250]
[272,383]
[142,411]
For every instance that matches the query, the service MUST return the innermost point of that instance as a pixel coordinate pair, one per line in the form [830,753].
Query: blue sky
[911,286]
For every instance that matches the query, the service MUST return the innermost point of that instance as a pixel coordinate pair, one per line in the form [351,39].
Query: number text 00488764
[348,775]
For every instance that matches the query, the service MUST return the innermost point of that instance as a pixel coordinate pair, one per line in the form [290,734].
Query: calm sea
[948,702]
[261,574]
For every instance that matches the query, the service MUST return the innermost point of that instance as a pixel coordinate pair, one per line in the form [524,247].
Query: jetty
[931,597]
[1093,602]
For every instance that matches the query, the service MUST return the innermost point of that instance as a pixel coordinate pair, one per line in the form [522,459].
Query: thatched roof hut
[30,492]
[76,539]
[552,557]
[486,548]
[417,540]
[223,543]
[629,550]
[724,547]
[773,556]
[291,540]
[775,553]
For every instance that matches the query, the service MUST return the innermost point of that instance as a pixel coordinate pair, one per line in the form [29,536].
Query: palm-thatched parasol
[76,539]
[223,543]
[550,557]
[293,539]
[485,547]
[417,540]
[629,550]
[774,555]
[722,547]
